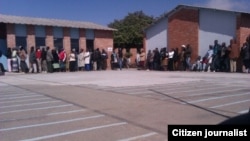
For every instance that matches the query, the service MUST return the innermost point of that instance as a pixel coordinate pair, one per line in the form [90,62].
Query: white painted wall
[215,25]
[156,35]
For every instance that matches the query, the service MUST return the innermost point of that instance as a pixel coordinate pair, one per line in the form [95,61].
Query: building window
[21,41]
[74,44]
[40,41]
[58,43]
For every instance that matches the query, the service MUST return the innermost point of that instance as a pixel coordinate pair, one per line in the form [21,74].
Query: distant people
[2,70]
[39,59]
[49,58]
[43,60]
[55,62]
[176,58]
[14,61]
[182,58]
[80,61]
[149,60]
[234,52]
[171,59]
[209,57]
[62,60]
[87,60]
[217,56]
[32,60]
[120,58]
[9,59]
[104,57]
[157,59]
[142,59]
[114,60]
[188,54]
[245,55]
[23,57]
[72,61]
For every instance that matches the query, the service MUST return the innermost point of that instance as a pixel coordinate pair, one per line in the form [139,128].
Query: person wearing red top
[62,60]
[38,59]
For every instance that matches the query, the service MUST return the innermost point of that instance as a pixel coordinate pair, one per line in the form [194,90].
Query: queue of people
[47,60]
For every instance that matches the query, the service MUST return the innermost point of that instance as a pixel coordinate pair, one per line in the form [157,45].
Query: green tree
[130,29]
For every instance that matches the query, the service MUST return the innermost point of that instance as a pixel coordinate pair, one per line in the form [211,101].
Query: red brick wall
[103,40]
[11,37]
[183,28]
[49,41]
[243,28]
[30,37]
[66,40]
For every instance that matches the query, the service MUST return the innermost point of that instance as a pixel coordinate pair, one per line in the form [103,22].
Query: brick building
[197,26]
[26,31]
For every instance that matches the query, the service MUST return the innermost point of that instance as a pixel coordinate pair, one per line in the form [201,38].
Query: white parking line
[15,101]
[75,131]
[51,123]
[29,104]
[218,97]
[36,109]
[232,103]
[138,137]
[3,99]
[51,114]
[213,92]
[244,111]
[13,95]
[67,112]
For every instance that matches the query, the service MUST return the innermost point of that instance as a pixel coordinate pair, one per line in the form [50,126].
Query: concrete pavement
[116,105]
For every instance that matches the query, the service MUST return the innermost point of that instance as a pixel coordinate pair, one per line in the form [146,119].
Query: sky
[104,12]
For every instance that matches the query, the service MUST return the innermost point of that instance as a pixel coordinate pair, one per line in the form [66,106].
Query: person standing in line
[104,57]
[9,59]
[15,65]
[49,58]
[120,58]
[23,57]
[142,59]
[44,61]
[72,61]
[233,55]
[32,59]
[87,60]
[114,60]
[80,61]
[188,54]
[39,59]
[62,60]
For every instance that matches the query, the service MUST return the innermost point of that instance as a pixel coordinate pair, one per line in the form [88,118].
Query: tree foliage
[130,29]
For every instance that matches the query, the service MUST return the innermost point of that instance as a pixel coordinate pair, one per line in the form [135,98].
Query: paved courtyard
[116,105]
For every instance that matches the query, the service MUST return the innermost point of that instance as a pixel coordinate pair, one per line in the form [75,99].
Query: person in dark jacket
[9,57]
[32,60]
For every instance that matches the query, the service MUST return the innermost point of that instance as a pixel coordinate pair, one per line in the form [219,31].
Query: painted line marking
[218,97]
[30,104]
[75,131]
[3,99]
[13,95]
[216,92]
[51,114]
[187,89]
[244,111]
[138,137]
[232,103]
[36,109]
[51,123]
[67,112]
[35,99]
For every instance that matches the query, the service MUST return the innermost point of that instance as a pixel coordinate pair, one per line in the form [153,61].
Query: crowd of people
[219,58]
[46,60]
